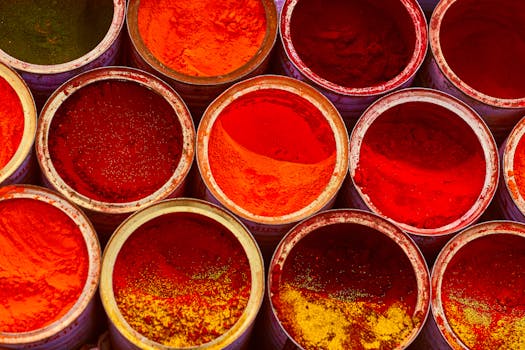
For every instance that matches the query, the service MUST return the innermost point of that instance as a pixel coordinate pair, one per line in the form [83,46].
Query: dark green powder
[53,31]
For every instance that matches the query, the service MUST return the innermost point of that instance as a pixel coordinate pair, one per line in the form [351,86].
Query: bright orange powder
[11,122]
[202,37]
[43,264]
[271,152]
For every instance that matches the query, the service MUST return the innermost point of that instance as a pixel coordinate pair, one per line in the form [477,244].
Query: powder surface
[352,43]
[483,42]
[483,293]
[346,286]
[43,264]
[271,152]
[115,141]
[182,280]
[11,122]
[421,165]
[519,168]
[202,37]
[52,32]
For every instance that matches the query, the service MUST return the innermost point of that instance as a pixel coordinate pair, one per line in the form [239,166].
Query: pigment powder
[346,286]
[202,37]
[353,43]
[181,280]
[43,264]
[483,42]
[518,171]
[271,152]
[53,32]
[115,141]
[421,165]
[483,292]
[11,122]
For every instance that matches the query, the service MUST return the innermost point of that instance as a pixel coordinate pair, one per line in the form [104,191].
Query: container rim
[93,249]
[419,23]
[30,119]
[508,172]
[114,30]
[461,240]
[264,82]
[198,207]
[249,67]
[364,218]
[462,111]
[435,45]
[127,74]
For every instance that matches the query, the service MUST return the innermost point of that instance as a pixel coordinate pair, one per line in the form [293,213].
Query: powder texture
[271,152]
[115,141]
[43,264]
[52,32]
[421,165]
[202,37]
[11,122]
[346,286]
[181,280]
[519,169]
[483,42]
[352,43]
[483,293]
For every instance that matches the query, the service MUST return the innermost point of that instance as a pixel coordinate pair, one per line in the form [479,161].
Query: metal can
[430,240]
[44,79]
[478,251]
[107,216]
[269,229]
[501,113]
[509,198]
[352,101]
[79,324]
[122,335]
[22,166]
[199,91]
[354,242]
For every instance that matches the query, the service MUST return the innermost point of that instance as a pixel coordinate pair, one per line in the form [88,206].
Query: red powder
[353,43]
[483,292]
[421,165]
[271,152]
[115,141]
[182,280]
[483,42]
[338,282]
[43,264]
[11,122]
[519,167]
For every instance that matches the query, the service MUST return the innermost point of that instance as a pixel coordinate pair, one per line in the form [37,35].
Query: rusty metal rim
[94,253]
[365,218]
[332,117]
[30,120]
[419,52]
[183,205]
[119,12]
[148,81]
[462,111]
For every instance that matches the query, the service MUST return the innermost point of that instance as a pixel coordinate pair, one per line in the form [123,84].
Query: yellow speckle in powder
[319,322]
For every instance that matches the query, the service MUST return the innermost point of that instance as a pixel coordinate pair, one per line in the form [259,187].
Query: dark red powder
[350,264]
[421,165]
[353,43]
[182,279]
[483,292]
[483,42]
[115,141]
